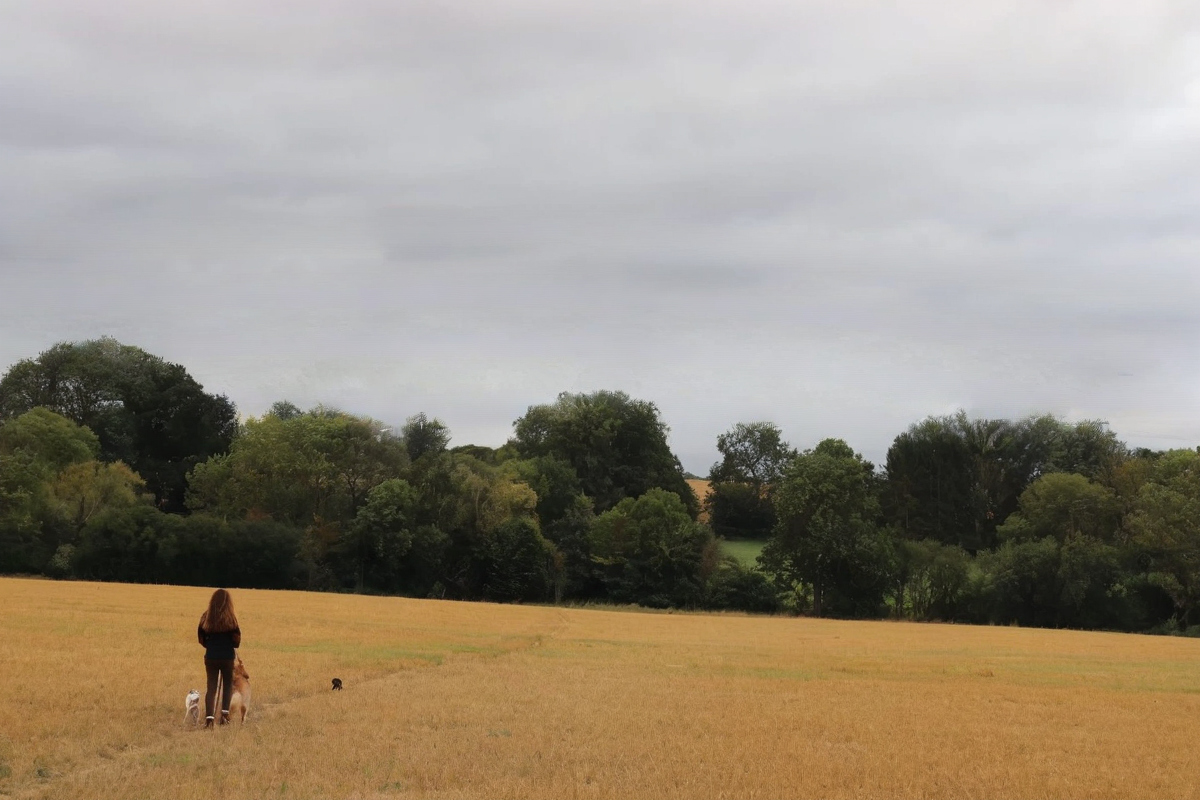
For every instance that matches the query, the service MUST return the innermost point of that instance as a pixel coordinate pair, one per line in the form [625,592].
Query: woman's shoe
[208,722]
[224,718]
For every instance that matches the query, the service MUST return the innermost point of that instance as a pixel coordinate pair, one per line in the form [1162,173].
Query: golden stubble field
[449,700]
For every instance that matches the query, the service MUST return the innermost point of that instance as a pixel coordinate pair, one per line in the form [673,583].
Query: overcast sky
[842,217]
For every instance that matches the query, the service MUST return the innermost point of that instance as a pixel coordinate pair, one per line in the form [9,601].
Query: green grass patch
[744,550]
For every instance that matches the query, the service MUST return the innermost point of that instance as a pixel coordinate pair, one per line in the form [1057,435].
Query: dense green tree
[124,544]
[50,439]
[1088,448]
[740,510]
[753,457]
[488,455]
[1165,524]
[650,551]
[554,481]
[1091,579]
[424,436]
[957,480]
[581,576]
[827,534]
[733,586]
[514,562]
[1023,582]
[753,453]
[616,445]
[88,488]
[1064,506]
[34,449]
[204,550]
[929,483]
[467,501]
[22,499]
[146,412]
[285,410]
[312,469]
[931,579]
[374,546]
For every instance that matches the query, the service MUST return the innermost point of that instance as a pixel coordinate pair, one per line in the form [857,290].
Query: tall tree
[1165,525]
[753,457]
[1064,506]
[35,448]
[147,412]
[650,551]
[616,445]
[423,435]
[827,535]
[930,482]
[314,468]
[376,543]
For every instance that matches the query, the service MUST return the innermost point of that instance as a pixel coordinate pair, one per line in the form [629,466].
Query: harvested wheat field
[448,700]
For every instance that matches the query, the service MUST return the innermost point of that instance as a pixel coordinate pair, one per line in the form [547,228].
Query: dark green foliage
[571,535]
[753,459]
[514,562]
[493,456]
[617,446]
[1044,583]
[929,492]
[1064,506]
[827,536]
[285,410]
[127,545]
[374,546]
[51,440]
[1165,527]
[208,551]
[1023,582]
[650,551]
[34,448]
[1032,522]
[734,587]
[308,470]
[553,479]
[956,480]
[932,580]
[423,436]
[23,548]
[146,412]
[740,511]
[753,453]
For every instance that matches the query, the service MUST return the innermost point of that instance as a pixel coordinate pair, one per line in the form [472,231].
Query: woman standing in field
[218,632]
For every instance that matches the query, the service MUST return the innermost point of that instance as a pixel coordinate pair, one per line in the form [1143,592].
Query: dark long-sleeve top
[219,645]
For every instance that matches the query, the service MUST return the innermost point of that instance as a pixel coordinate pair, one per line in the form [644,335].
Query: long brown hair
[220,616]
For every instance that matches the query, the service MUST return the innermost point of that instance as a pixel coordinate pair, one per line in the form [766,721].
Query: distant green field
[744,550]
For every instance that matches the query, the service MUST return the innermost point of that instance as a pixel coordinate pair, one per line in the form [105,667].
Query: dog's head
[240,669]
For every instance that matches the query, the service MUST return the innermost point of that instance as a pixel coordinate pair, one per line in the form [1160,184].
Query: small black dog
[337,684]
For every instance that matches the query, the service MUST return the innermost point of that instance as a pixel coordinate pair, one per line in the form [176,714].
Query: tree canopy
[144,411]
[616,445]
[115,465]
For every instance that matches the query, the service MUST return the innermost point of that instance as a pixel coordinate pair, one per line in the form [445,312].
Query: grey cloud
[840,216]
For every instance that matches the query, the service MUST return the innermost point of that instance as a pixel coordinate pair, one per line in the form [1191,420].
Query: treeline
[115,465]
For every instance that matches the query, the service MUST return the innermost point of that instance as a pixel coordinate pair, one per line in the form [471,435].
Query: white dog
[191,704]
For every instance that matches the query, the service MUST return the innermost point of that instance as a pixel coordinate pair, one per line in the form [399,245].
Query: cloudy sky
[838,216]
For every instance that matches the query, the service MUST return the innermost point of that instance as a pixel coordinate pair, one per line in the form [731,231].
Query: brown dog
[240,700]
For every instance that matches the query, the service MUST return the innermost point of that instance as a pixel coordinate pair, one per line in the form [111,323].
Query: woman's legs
[225,670]
[226,689]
